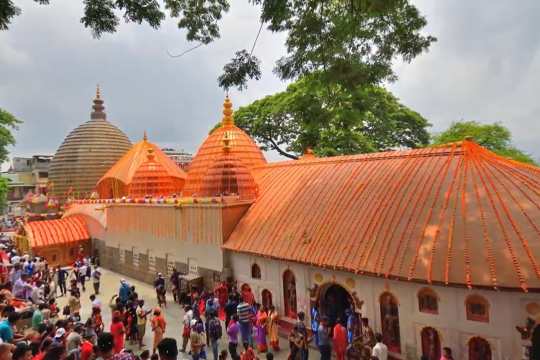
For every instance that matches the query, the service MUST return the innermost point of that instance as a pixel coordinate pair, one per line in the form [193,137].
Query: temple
[435,247]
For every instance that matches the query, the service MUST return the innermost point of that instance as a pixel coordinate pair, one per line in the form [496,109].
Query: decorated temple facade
[434,247]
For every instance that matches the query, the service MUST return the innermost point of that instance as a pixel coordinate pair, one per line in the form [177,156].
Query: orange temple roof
[152,179]
[243,147]
[228,176]
[456,215]
[116,181]
[56,232]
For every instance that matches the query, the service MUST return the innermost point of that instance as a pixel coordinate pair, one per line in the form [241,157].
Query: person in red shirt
[43,349]
[118,332]
[340,340]
[87,348]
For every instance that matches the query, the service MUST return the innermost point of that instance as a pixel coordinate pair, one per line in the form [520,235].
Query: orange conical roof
[152,179]
[115,183]
[228,176]
[242,146]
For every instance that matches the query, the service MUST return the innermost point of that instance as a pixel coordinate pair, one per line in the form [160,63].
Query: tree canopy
[349,42]
[8,122]
[494,137]
[332,120]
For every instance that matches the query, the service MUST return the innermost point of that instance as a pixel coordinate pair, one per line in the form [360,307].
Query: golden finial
[227,112]
[150,155]
[227,142]
[145,136]
[98,92]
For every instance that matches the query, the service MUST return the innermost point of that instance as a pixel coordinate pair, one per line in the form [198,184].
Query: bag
[214,329]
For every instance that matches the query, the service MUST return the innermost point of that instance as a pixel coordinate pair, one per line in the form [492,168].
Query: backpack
[214,329]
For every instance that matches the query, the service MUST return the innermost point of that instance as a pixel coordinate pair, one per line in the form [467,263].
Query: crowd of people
[223,323]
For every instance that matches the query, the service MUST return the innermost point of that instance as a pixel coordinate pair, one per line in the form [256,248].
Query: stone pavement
[110,283]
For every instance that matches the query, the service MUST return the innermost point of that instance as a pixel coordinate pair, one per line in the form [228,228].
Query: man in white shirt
[380,350]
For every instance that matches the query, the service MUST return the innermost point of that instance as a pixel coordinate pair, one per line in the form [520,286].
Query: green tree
[350,42]
[332,120]
[494,137]
[8,123]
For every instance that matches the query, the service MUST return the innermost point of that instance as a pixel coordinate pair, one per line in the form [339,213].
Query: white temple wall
[507,309]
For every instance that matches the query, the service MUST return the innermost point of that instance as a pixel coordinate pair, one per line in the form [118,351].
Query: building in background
[180,157]
[26,174]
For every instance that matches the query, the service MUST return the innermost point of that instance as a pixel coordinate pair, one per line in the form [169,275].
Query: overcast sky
[485,67]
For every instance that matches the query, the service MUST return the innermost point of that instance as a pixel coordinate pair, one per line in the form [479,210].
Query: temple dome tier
[229,176]
[117,181]
[86,154]
[242,147]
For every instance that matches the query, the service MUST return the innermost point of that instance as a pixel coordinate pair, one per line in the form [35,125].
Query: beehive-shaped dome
[242,147]
[153,179]
[86,154]
[116,182]
[228,176]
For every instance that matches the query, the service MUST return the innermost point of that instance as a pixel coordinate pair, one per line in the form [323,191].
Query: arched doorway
[390,322]
[289,294]
[431,343]
[479,349]
[266,297]
[334,301]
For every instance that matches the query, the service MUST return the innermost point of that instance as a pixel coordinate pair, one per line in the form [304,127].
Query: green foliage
[347,42]
[494,137]
[242,67]
[332,120]
[8,122]
[3,193]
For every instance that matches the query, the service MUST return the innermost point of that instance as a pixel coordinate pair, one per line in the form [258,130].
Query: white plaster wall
[507,309]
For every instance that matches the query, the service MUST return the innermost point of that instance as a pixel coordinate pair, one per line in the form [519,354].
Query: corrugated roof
[119,177]
[86,154]
[457,214]
[56,232]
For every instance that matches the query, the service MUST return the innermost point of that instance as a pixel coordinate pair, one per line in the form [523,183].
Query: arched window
[390,322]
[255,271]
[477,308]
[289,293]
[479,349]
[428,301]
[431,343]
[266,296]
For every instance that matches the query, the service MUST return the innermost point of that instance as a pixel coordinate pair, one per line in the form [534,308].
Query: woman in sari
[260,328]
[158,327]
[118,332]
[273,328]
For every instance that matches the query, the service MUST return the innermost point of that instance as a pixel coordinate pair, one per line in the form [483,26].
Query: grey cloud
[484,67]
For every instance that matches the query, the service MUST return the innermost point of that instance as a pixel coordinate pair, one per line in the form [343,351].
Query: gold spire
[98,108]
[227,142]
[145,136]
[228,119]
[150,154]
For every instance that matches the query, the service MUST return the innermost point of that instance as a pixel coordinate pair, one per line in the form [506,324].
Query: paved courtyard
[173,312]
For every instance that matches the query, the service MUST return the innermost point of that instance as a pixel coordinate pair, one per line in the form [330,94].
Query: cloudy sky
[485,67]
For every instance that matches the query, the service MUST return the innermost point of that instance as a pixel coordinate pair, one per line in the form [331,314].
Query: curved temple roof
[56,232]
[242,146]
[86,154]
[116,181]
[457,214]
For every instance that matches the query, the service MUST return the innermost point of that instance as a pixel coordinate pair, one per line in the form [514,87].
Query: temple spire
[145,136]
[228,119]
[98,108]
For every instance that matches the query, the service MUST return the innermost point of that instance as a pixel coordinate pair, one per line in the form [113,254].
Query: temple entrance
[479,349]
[334,301]
[431,343]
